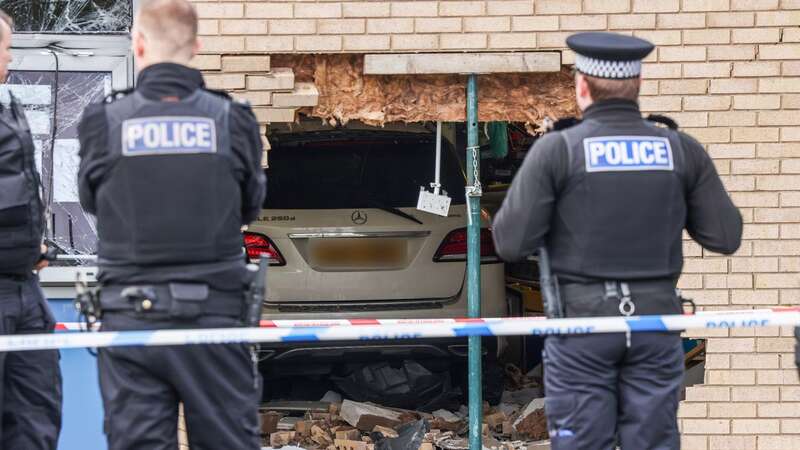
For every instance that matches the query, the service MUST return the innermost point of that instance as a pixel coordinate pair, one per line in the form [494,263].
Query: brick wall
[727,70]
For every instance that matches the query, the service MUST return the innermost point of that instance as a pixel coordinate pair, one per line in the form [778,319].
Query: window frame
[76,53]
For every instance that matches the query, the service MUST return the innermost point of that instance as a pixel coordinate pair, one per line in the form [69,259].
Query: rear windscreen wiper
[392,210]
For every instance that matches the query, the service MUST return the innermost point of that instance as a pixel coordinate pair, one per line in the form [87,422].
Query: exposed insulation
[347,94]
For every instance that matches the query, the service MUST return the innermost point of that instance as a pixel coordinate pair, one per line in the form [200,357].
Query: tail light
[257,244]
[454,247]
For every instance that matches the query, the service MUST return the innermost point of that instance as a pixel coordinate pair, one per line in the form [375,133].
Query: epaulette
[663,120]
[228,96]
[561,124]
[218,92]
[116,95]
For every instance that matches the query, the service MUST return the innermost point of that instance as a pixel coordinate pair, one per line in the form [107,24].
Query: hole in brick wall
[380,167]
[347,94]
[695,363]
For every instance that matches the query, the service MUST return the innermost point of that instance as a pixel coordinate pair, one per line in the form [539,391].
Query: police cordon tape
[405,329]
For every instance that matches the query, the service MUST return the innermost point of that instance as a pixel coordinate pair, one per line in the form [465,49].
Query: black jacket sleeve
[712,219]
[246,144]
[95,160]
[524,219]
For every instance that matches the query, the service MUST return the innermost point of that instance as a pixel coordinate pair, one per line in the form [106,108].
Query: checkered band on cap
[601,68]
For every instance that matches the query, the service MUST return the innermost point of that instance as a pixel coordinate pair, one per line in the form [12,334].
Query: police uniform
[609,197]
[172,171]
[30,382]
[797,349]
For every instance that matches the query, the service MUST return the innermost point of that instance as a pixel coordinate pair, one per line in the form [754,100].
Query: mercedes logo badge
[359,217]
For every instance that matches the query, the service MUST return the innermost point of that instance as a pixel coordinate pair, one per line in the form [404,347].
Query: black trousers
[797,348]
[597,389]
[30,381]
[219,385]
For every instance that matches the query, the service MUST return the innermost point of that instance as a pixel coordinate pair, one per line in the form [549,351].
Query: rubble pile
[517,423]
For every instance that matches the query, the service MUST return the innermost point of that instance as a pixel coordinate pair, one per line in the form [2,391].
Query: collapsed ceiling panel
[347,94]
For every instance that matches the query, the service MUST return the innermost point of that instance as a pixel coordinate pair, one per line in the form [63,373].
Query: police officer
[172,171]
[609,197]
[797,349]
[30,382]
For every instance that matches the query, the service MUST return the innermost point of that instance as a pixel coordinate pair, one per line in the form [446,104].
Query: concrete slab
[450,63]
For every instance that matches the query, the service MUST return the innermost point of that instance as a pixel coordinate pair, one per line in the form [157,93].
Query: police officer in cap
[30,381]
[608,197]
[172,171]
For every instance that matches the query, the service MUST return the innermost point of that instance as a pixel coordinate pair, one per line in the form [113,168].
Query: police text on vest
[627,153]
[168,136]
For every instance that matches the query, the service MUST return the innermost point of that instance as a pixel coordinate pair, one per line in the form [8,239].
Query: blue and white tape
[404,329]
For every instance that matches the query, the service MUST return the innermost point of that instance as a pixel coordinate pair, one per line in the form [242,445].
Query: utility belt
[9,277]
[175,300]
[182,301]
[621,298]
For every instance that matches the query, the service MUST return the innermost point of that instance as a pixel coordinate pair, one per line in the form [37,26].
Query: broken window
[44,97]
[54,87]
[70,16]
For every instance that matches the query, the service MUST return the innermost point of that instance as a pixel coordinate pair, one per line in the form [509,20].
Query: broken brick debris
[345,444]
[365,416]
[495,419]
[366,426]
[385,431]
[269,421]
[320,436]
[348,435]
[532,421]
[517,380]
[288,423]
[281,438]
[303,427]
[445,420]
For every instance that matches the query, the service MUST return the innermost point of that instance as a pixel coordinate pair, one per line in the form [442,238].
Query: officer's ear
[198,44]
[583,94]
[138,42]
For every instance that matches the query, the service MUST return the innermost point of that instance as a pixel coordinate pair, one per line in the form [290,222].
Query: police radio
[548,284]
[257,292]
[87,301]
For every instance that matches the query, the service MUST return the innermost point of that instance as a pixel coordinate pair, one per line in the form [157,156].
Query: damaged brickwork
[347,94]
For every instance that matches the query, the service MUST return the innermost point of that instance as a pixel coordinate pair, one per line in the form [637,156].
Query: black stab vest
[172,195]
[621,212]
[21,208]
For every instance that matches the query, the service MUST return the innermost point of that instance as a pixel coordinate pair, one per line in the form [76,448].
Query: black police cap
[609,55]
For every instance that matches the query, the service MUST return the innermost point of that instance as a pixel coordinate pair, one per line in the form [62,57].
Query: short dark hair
[604,88]
[8,20]
[172,23]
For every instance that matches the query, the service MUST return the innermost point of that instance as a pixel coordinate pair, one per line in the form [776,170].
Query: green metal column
[474,263]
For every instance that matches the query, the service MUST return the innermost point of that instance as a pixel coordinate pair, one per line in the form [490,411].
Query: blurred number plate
[358,252]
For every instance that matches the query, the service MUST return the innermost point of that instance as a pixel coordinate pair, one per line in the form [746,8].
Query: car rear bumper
[493,304]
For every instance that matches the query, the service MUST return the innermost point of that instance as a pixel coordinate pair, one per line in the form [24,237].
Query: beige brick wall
[727,70]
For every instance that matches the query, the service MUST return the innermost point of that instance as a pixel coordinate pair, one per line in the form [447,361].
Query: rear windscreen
[357,173]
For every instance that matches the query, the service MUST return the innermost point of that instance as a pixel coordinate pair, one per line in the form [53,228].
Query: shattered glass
[72,229]
[70,16]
